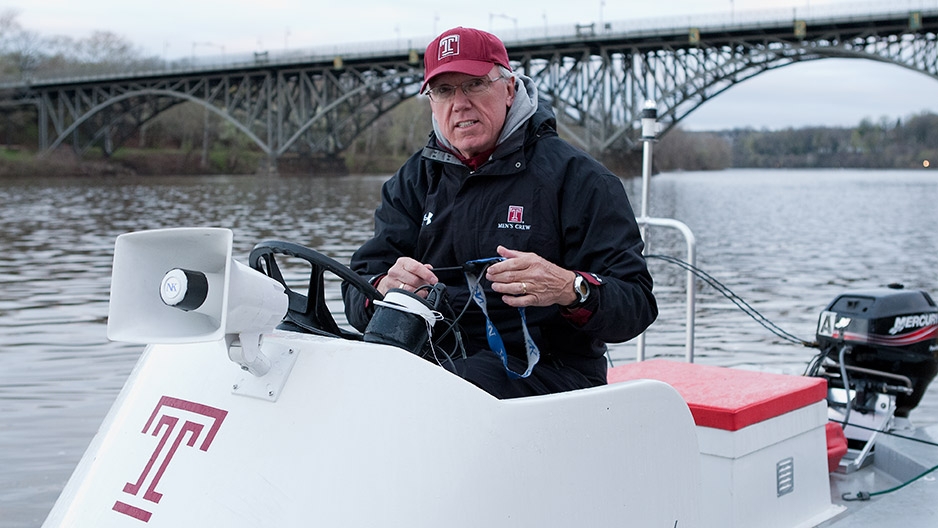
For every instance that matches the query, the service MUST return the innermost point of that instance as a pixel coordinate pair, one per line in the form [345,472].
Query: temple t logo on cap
[463,50]
[449,47]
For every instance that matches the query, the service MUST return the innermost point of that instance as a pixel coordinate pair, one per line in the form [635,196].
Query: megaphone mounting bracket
[245,350]
[264,373]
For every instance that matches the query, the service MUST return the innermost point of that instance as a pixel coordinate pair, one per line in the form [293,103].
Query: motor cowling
[888,336]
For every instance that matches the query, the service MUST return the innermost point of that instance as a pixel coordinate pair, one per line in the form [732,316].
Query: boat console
[342,432]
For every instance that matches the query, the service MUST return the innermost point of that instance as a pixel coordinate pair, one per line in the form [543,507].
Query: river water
[787,242]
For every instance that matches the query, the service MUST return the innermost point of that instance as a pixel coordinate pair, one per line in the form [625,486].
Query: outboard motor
[879,352]
[888,341]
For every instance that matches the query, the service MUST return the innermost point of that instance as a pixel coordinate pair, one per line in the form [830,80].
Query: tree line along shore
[184,143]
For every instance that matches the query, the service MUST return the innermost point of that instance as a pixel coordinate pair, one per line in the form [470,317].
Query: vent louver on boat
[785,476]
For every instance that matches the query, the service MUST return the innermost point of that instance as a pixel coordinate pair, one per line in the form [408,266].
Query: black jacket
[538,194]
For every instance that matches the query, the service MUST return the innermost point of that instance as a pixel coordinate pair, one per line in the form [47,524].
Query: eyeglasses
[471,88]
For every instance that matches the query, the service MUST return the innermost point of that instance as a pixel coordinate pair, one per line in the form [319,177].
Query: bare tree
[8,26]
[105,47]
[20,49]
[26,53]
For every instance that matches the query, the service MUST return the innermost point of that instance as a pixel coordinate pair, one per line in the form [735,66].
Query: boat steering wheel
[309,313]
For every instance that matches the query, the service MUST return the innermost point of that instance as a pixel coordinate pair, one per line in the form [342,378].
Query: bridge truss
[600,88]
[598,82]
[318,107]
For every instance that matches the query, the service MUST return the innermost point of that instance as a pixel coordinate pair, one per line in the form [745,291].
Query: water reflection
[787,241]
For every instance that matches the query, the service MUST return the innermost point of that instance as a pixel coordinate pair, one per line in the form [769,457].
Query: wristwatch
[582,290]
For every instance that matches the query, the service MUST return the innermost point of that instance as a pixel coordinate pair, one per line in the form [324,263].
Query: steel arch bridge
[598,80]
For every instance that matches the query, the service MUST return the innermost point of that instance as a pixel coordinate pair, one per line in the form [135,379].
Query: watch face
[582,288]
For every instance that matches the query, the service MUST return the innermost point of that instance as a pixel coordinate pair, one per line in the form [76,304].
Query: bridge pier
[267,166]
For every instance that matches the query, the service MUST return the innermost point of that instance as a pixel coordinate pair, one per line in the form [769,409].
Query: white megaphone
[182,286]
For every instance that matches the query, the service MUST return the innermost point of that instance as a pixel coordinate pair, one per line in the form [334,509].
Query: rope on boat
[866,495]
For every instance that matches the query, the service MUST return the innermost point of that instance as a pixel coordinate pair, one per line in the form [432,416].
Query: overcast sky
[829,92]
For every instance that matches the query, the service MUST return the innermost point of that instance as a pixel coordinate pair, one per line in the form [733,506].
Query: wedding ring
[401,287]
[524,289]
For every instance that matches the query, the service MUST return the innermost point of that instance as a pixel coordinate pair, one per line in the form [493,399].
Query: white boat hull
[370,435]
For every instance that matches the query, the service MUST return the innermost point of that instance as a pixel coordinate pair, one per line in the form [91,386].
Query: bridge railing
[511,36]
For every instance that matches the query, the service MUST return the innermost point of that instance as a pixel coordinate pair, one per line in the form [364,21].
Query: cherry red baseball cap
[463,50]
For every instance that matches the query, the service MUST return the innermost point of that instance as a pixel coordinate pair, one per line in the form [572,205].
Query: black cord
[890,433]
[453,327]
[815,364]
[737,300]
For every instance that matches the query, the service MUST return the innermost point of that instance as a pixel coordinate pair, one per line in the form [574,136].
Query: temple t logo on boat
[192,419]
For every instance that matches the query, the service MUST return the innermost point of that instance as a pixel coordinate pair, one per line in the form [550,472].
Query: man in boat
[495,180]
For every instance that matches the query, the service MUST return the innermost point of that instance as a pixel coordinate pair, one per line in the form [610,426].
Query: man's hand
[407,274]
[527,279]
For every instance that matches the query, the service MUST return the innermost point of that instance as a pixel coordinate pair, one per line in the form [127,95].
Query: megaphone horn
[182,286]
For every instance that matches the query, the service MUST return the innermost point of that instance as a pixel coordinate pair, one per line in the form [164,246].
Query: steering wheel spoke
[309,312]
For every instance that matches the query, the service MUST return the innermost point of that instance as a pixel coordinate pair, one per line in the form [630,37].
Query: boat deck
[896,460]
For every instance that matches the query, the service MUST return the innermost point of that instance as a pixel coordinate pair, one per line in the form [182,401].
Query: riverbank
[21,163]
[18,162]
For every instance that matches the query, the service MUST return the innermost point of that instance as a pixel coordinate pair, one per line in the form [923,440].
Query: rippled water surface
[788,242]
